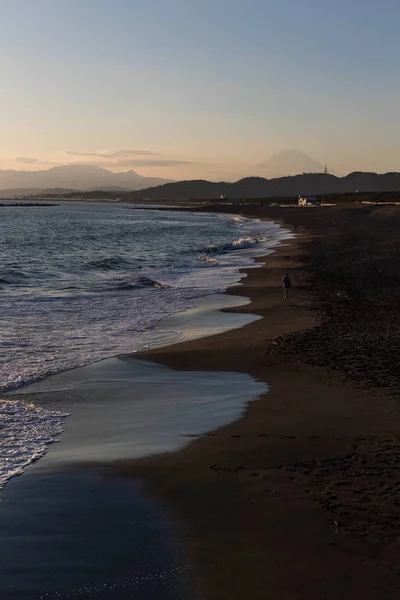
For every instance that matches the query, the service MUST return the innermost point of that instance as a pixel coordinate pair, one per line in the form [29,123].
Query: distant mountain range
[84,177]
[72,177]
[68,179]
[258,187]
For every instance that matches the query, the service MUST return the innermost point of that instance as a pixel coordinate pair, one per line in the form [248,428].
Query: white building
[308,201]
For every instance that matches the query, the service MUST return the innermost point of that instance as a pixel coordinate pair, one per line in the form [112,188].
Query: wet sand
[299,499]
[75,533]
[70,527]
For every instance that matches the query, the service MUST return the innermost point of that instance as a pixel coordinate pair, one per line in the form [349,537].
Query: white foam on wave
[241,243]
[248,242]
[25,434]
[208,259]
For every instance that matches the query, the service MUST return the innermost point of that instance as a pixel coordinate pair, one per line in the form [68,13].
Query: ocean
[82,282]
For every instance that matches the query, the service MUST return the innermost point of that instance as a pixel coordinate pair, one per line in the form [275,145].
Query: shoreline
[257,526]
[104,426]
[212,314]
[266,505]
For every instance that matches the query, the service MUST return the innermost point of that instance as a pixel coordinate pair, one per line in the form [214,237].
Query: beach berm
[300,498]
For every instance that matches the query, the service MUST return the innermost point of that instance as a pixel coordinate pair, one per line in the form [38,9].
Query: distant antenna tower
[326,169]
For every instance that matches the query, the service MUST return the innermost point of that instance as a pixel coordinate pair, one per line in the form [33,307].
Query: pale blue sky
[220,84]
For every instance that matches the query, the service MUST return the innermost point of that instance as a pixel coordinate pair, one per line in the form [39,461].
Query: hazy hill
[11,192]
[74,177]
[253,187]
[289,162]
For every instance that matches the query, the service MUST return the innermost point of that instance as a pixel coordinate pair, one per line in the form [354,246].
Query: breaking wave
[208,259]
[13,277]
[148,282]
[240,244]
[108,264]
[26,432]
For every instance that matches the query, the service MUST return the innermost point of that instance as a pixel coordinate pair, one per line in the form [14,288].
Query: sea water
[81,282]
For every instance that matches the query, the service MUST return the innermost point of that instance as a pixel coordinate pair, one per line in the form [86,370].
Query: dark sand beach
[300,498]
[297,498]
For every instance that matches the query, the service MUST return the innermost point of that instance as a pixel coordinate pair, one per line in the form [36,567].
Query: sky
[199,88]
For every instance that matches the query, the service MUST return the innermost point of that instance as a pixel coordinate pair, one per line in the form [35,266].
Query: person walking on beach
[287,284]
